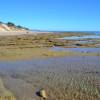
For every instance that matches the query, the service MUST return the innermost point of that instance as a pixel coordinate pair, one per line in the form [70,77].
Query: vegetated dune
[11,27]
[6,27]
[4,93]
[1,29]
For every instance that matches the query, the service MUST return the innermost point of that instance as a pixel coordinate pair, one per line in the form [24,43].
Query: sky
[52,15]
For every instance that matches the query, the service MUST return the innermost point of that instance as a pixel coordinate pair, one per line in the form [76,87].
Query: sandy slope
[1,29]
[4,25]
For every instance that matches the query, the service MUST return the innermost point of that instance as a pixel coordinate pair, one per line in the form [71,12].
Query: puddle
[84,42]
[98,33]
[97,44]
[81,42]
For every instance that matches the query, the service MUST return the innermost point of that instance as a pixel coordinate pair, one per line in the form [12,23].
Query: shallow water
[76,49]
[80,72]
[80,37]
[97,44]
[97,33]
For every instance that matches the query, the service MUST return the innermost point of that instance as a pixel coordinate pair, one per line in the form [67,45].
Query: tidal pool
[97,44]
[76,49]
[84,42]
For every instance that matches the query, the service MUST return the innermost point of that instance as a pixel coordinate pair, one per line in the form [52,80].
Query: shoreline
[19,33]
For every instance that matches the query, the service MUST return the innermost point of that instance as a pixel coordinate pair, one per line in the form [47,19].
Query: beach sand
[25,32]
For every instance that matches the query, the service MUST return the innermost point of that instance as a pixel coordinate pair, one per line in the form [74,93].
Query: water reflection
[76,49]
[80,37]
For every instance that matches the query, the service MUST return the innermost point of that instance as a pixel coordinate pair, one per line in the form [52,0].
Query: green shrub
[0,22]
[19,26]
[10,24]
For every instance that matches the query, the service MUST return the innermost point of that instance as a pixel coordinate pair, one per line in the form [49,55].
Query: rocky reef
[35,46]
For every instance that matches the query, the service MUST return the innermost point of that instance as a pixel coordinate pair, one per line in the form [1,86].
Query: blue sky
[58,15]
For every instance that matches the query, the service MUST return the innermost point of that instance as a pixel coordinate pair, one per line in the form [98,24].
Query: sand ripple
[69,77]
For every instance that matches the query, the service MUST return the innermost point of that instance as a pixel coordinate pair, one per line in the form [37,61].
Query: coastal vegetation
[11,26]
[0,22]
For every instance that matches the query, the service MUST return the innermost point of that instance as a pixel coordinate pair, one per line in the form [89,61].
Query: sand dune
[11,27]
[4,25]
[1,29]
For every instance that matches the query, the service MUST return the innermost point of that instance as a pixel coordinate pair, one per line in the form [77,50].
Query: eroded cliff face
[4,93]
